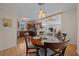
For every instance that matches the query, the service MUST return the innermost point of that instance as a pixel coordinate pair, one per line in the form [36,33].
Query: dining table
[40,41]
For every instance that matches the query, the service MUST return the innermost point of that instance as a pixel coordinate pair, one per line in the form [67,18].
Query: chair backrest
[61,36]
[57,48]
[64,36]
[56,45]
[28,39]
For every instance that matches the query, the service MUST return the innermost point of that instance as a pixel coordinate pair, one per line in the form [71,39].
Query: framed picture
[7,22]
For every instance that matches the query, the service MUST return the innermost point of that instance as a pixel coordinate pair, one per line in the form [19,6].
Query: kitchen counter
[21,33]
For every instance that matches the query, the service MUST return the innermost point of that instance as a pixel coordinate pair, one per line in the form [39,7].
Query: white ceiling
[31,10]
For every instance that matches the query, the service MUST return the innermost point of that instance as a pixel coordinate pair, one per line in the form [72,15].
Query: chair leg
[37,52]
[63,51]
[26,52]
[45,51]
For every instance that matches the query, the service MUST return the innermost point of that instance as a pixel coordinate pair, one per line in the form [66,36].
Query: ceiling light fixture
[41,12]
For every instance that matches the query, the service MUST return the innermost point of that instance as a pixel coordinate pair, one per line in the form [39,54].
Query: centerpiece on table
[51,29]
[51,32]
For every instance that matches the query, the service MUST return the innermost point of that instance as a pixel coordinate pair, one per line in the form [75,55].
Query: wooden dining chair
[57,48]
[30,46]
[61,36]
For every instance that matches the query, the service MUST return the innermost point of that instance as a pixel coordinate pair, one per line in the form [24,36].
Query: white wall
[8,36]
[78,28]
[69,25]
